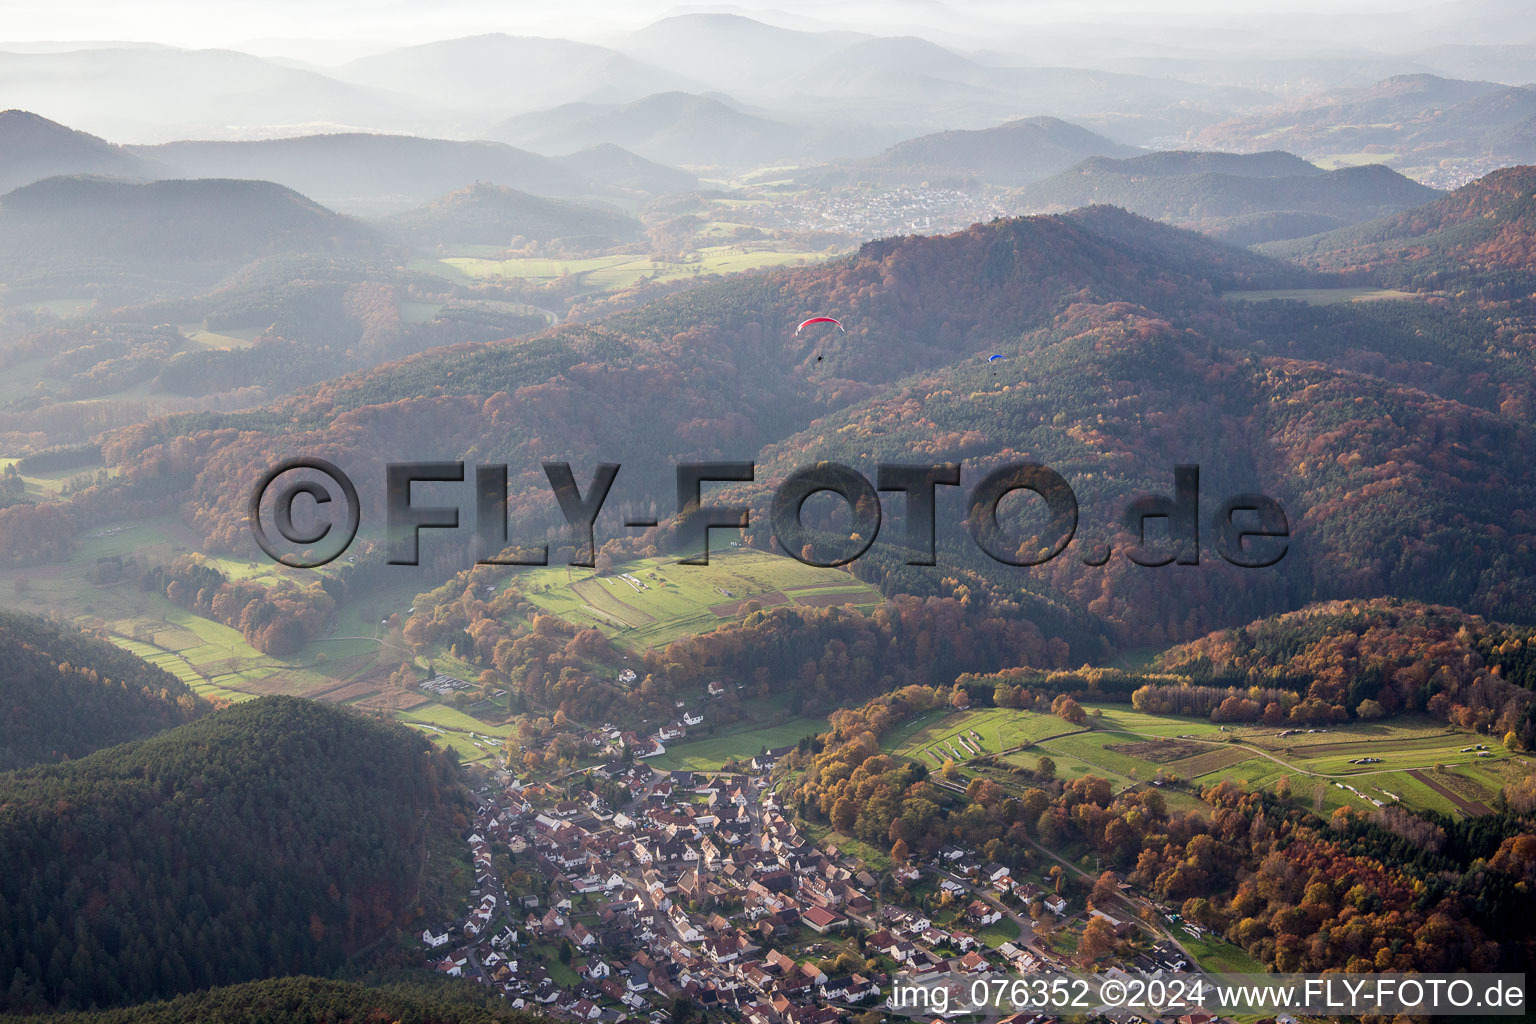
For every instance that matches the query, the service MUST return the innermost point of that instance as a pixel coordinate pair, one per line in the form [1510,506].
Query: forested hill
[1008,154]
[274,837]
[1243,198]
[192,231]
[65,694]
[1482,235]
[492,215]
[308,1000]
[1379,658]
[717,371]
[1113,397]
[33,147]
[1122,361]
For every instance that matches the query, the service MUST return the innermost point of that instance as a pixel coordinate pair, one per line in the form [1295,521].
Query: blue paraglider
[994,359]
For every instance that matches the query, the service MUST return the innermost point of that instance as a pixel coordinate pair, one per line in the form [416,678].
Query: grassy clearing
[51,484]
[961,735]
[1127,747]
[875,859]
[212,658]
[667,600]
[419,312]
[235,337]
[999,932]
[615,273]
[1219,956]
[709,753]
[1319,296]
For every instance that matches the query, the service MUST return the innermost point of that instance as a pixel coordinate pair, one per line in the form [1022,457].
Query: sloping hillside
[277,836]
[1010,154]
[359,173]
[67,694]
[33,148]
[615,166]
[492,215]
[671,127]
[85,229]
[1243,198]
[1483,234]
[307,1000]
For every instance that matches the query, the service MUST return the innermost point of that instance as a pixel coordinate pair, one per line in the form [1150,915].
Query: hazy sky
[347,27]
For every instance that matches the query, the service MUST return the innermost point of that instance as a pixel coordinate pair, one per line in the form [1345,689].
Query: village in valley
[620,891]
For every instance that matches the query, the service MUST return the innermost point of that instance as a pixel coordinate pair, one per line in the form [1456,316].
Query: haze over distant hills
[371,173]
[1483,234]
[176,231]
[1407,121]
[33,148]
[734,52]
[688,128]
[499,72]
[1010,154]
[493,215]
[157,93]
[618,167]
[1244,198]
[798,93]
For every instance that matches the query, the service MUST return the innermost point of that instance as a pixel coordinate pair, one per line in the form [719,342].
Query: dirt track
[1467,806]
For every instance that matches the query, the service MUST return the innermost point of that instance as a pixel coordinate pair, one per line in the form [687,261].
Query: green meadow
[617,272]
[1419,762]
[664,600]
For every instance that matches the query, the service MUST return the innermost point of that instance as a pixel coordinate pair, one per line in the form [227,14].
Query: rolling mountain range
[499,72]
[357,173]
[82,230]
[491,215]
[618,168]
[1079,304]
[1246,199]
[1406,121]
[911,83]
[371,173]
[679,127]
[1479,235]
[146,94]
[734,52]
[846,94]
[1258,288]
[33,148]
[1007,155]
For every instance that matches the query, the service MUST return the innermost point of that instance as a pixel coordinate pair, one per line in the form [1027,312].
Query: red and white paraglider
[820,320]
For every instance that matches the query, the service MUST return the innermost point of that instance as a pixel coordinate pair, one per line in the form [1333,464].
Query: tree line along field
[212,658]
[51,483]
[1416,761]
[650,603]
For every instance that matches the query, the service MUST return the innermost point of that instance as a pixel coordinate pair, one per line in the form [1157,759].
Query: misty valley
[837,501]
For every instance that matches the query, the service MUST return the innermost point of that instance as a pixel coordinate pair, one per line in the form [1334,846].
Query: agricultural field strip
[1286,764]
